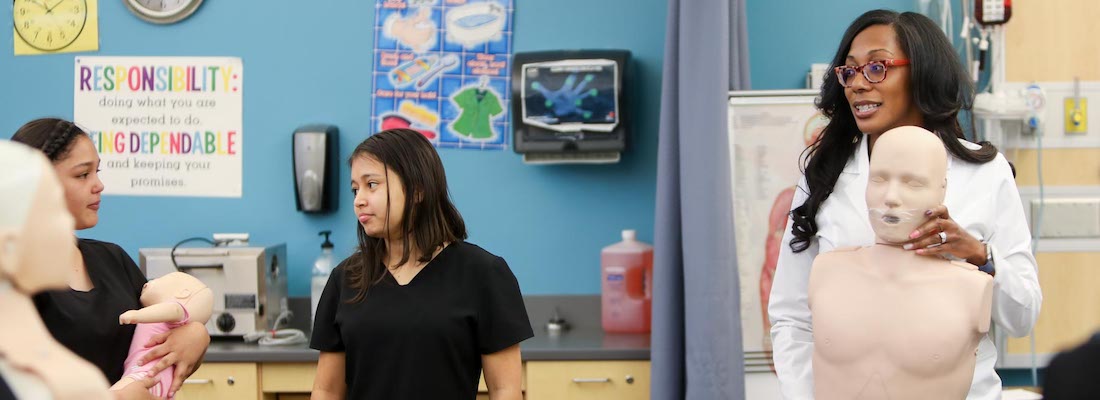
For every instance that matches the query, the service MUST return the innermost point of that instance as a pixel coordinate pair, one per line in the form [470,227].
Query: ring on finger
[943,237]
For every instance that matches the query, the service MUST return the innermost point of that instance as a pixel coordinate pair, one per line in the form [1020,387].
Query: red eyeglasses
[874,71]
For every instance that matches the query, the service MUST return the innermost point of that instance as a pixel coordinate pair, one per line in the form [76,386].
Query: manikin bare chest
[28,347]
[887,331]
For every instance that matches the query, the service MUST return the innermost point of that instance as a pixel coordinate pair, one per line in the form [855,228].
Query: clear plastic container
[321,270]
[626,280]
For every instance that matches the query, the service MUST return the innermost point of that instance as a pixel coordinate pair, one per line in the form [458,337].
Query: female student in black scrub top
[85,317]
[416,312]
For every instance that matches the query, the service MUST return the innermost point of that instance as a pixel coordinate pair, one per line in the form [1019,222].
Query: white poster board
[768,132]
[163,126]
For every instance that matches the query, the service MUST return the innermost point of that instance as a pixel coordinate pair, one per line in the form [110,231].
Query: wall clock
[49,25]
[162,11]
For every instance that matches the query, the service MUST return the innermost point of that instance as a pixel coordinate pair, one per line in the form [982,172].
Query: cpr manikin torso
[888,323]
[36,254]
[170,301]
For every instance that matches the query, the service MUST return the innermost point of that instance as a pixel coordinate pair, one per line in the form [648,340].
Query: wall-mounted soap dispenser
[316,168]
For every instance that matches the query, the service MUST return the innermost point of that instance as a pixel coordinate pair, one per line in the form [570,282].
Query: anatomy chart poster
[442,68]
[767,137]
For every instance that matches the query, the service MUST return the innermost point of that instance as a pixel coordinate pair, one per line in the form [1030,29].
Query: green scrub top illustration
[478,107]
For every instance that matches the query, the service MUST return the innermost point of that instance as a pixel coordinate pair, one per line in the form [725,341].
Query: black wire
[172,255]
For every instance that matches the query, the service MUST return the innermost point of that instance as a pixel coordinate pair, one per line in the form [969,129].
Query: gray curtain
[696,342]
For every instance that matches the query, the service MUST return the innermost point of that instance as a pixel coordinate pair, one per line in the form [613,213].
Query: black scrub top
[87,322]
[5,391]
[423,340]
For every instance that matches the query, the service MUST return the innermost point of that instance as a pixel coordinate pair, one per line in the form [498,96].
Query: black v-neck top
[87,322]
[423,340]
[5,391]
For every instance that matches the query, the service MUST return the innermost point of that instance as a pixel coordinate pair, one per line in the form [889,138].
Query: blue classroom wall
[785,37]
[309,62]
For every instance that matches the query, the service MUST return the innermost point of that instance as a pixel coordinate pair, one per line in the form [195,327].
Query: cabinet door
[582,380]
[287,377]
[221,381]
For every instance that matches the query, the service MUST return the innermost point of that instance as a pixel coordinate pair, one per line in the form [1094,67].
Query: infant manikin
[888,323]
[36,254]
[170,301]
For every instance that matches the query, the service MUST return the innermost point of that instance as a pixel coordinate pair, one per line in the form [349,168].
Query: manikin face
[78,171]
[47,251]
[908,177]
[372,183]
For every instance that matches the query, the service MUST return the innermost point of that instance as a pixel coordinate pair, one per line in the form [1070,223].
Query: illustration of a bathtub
[476,23]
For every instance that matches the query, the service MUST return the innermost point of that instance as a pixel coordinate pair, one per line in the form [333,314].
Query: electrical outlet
[1077,117]
[1067,218]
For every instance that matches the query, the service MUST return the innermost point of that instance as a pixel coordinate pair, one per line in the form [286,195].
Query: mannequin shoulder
[839,253]
[970,274]
[848,249]
[837,257]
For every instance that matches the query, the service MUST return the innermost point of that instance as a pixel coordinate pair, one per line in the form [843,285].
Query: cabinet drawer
[218,381]
[298,378]
[581,380]
[287,377]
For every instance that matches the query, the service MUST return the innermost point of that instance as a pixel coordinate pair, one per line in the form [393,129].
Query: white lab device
[248,282]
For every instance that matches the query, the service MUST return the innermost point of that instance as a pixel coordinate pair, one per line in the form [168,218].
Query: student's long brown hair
[430,218]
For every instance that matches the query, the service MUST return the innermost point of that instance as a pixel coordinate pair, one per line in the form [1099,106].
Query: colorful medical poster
[163,126]
[442,68]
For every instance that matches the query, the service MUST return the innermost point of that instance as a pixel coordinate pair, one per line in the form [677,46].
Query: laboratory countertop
[577,344]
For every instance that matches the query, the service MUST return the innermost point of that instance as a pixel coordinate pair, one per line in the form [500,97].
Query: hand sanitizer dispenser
[316,168]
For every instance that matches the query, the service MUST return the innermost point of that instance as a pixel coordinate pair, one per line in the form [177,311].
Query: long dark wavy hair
[940,87]
[430,218]
[52,136]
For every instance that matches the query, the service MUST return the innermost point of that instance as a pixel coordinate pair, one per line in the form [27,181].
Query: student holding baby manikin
[105,282]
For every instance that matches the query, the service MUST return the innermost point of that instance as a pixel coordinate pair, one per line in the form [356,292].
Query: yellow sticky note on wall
[55,26]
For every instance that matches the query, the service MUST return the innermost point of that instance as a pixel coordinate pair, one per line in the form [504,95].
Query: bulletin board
[768,130]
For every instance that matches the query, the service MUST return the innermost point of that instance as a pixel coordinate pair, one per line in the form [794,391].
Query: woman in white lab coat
[894,70]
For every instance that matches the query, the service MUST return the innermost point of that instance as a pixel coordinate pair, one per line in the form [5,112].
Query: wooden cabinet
[582,380]
[287,377]
[222,381]
[542,380]
[278,380]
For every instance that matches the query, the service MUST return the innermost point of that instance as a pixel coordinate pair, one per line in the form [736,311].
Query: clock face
[162,11]
[49,25]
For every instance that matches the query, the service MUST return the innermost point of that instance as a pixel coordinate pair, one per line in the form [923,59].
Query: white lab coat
[981,198]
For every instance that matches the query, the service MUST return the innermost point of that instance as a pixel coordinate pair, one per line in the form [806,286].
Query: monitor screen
[571,95]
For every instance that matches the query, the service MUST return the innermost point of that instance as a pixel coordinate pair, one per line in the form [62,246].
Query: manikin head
[908,177]
[181,288]
[37,249]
